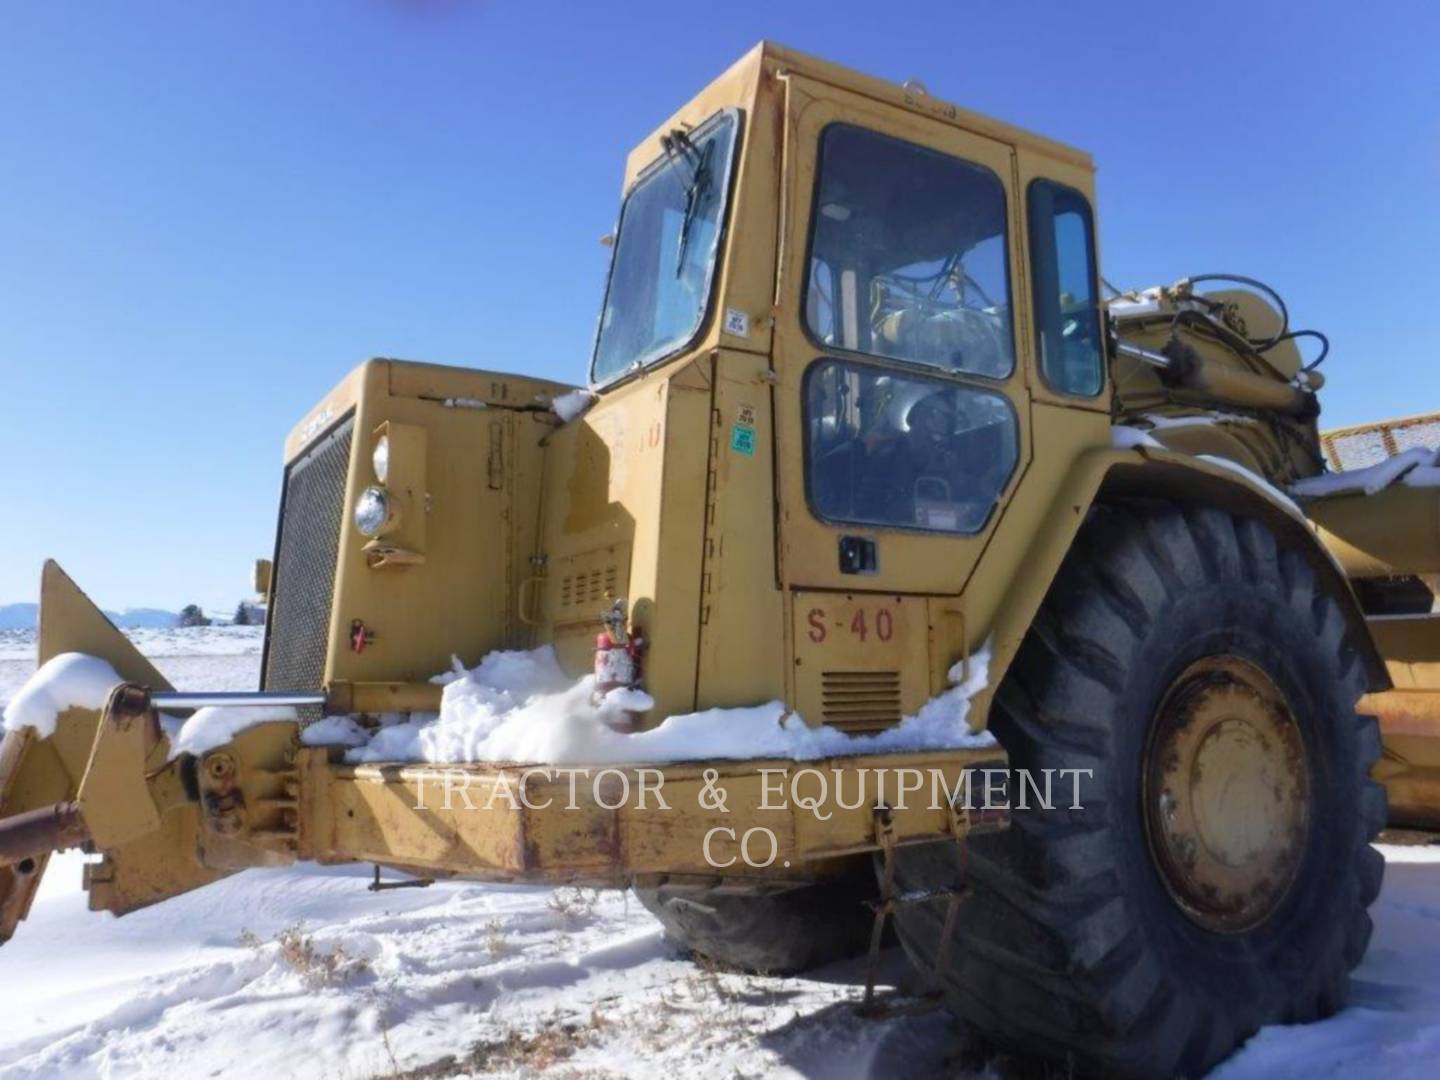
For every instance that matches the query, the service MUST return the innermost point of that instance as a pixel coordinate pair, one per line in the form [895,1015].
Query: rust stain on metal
[1226,796]
[1404,713]
[27,836]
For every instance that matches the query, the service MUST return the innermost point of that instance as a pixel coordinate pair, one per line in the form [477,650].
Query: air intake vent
[588,588]
[860,702]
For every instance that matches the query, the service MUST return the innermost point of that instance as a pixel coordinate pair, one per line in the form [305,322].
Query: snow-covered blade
[67,681]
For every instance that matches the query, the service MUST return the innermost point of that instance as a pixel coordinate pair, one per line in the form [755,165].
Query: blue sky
[209,212]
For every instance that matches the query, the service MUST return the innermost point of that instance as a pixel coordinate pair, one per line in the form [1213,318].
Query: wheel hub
[1226,794]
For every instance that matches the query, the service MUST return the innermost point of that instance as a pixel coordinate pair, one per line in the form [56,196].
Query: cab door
[902,420]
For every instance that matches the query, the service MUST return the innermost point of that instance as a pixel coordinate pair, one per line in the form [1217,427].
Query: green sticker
[742,440]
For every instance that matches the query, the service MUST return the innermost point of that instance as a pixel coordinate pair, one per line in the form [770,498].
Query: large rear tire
[1217,876]
[776,933]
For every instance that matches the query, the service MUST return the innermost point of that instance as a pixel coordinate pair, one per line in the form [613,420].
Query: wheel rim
[1226,794]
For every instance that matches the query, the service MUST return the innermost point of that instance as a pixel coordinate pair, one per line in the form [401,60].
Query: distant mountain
[19,616]
[133,618]
[26,616]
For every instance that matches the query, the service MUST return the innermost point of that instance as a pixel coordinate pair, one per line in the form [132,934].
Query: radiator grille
[311,510]
[860,702]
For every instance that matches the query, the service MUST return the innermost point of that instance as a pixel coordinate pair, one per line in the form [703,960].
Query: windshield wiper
[682,152]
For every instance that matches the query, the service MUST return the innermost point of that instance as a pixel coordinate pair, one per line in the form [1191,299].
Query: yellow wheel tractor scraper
[862,439]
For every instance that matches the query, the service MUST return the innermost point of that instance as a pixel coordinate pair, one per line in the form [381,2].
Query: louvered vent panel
[588,588]
[860,702]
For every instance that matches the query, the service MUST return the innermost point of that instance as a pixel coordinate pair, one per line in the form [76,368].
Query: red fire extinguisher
[617,653]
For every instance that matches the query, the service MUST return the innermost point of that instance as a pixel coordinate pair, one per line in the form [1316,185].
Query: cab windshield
[665,250]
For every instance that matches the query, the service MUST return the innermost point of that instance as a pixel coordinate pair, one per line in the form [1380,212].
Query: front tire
[773,933]
[1217,876]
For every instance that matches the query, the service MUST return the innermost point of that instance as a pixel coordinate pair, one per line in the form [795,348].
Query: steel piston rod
[236,699]
[1145,356]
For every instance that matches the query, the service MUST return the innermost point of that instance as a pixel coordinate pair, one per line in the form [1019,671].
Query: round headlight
[372,510]
[381,459]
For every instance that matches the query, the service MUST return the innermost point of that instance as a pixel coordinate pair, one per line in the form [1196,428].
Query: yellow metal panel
[369,376]
[494,389]
[674,840]
[375,819]
[669,611]
[476,522]
[597,826]
[474,512]
[742,661]
[1394,531]
[70,622]
[629,477]
[911,99]
[1410,771]
[1410,645]
[860,658]
[457,600]
[583,585]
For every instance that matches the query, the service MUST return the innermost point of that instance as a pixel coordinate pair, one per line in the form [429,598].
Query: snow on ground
[1392,1025]
[303,972]
[200,986]
[194,658]
[526,981]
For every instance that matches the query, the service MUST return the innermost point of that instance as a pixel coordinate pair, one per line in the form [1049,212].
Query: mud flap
[37,772]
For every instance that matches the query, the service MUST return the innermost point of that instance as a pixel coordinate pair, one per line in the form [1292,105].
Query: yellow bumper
[776,820]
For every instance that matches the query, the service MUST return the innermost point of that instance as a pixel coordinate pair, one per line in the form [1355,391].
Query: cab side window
[907,451]
[908,255]
[1067,306]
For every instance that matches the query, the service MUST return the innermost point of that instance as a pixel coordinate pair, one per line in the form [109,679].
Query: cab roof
[780,60]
